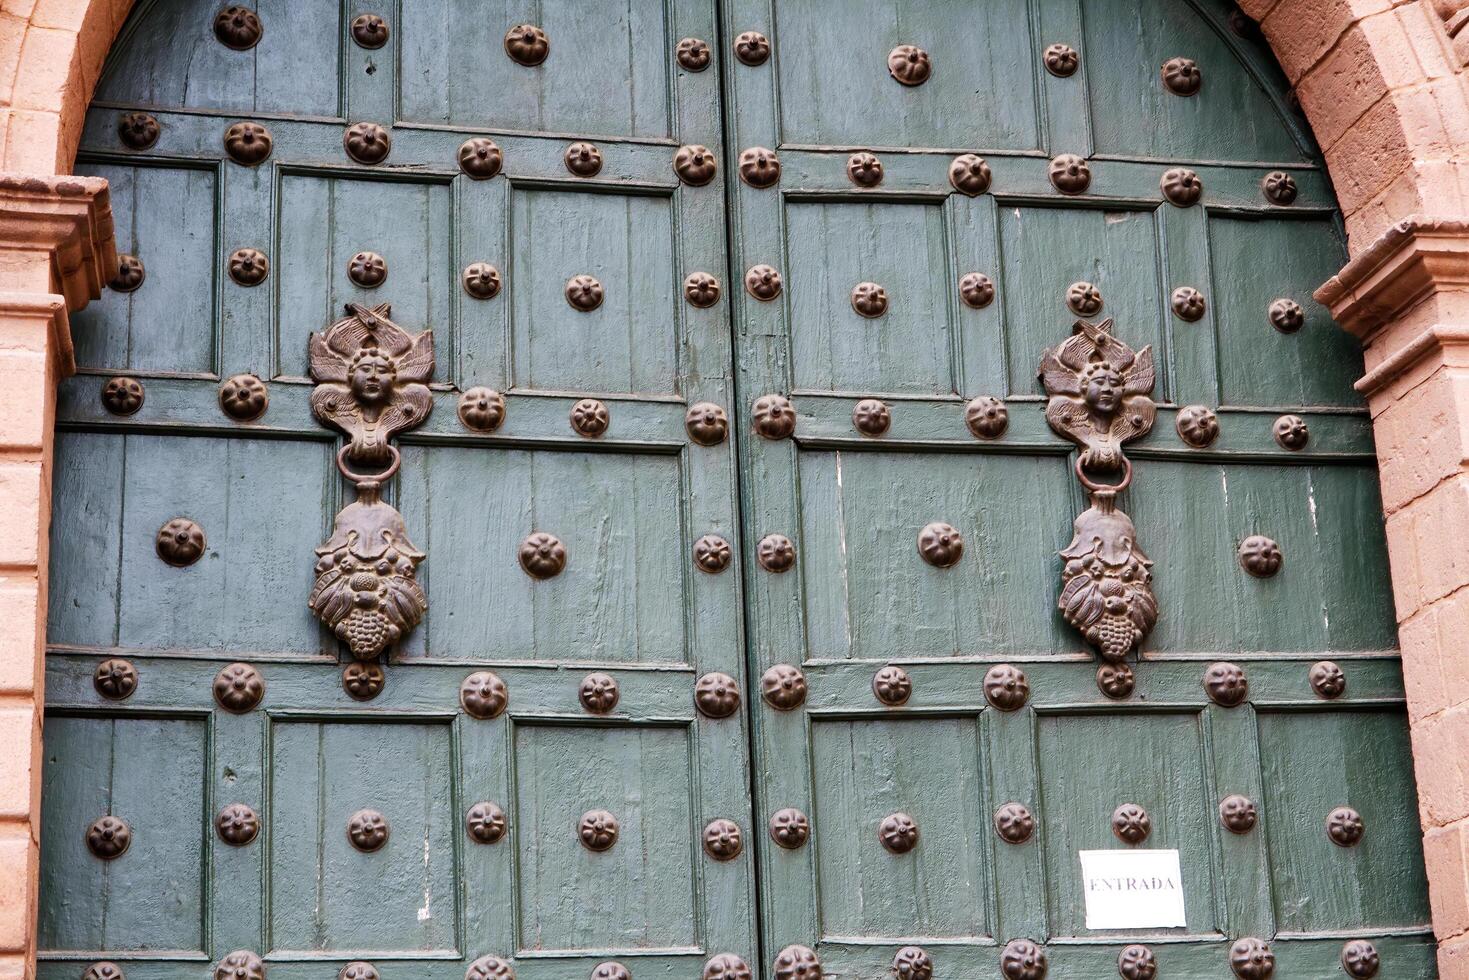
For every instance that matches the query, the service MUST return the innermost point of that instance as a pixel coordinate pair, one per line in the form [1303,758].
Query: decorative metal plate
[483,694]
[717,695]
[238,688]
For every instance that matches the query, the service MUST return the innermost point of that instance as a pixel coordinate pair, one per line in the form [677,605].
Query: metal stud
[1006,687]
[483,695]
[1137,962]
[1083,298]
[712,554]
[701,290]
[1181,187]
[864,169]
[480,158]
[130,274]
[1279,188]
[1226,684]
[482,409]
[115,679]
[542,555]
[1237,814]
[1252,959]
[898,833]
[940,544]
[1188,304]
[759,167]
[369,31]
[180,542]
[722,839]
[909,64]
[527,44]
[871,417]
[717,695]
[1131,823]
[367,142]
[1359,959]
[244,397]
[752,48]
[108,837]
[485,822]
[367,830]
[238,687]
[480,280]
[610,970]
[695,165]
[490,968]
[706,423]
[590,418]
[1022,959]
[1197,425]
[238,27]
[598,830]
[358,970]
[726,966]
[240,965]
[869,300]
[774,417]
[1328,680]
[1345,827]
[977,290]
[363,680]
[1291,432]
[789,828]
[1260,556]
[1014,823]
[103,970]
[1182,76]
[1116,680]
[248,266]
[1070,174]
[584,293]
[248,143]
[1286,315]
[912,963]
[783,687]
[599,693]
[763,282]
[583,159]
[368,269]
[122,396]
[137,130]
[1061,60]
[693,54]
[797,962]
[237,824]
[892,686]
[776,553]
[970,174]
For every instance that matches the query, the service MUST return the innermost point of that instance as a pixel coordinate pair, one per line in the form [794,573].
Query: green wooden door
[922,745]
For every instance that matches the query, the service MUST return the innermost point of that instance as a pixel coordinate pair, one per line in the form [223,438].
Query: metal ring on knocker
[1113,488]
[362,479]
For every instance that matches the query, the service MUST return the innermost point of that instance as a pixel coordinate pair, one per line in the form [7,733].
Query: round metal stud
[240,965]
[1014,823]
[1181,187]
[774,416]
[1061,60]
[363,680]
[1022,959]
[717,695]
[122,396]
[970,174]
[940,544]
[583,159]
[763,282]
[238,27]
[783,687]
[1359,959]
[248,266]
[694,165]
[598,830]
[776,553]
[238,687]
[369,31]
[1006,687]
[1237,814]
[1070,174]
[909,64]
[367,142]
[480,158]
[137,130]
[706,423]
[871,417]
[527,44]
[1116,680]
[180,542]
[542,555]
[912,963]
[898,833]
[1131,823]
[483,695]
[480,280]
[1279,188]
[701,290]
[797,963]
[109,837]
[892,686]
[759,167]
[589,417]
[986,417]
[1291,432]
[789,828]
[244,397]
[367,830]
[1328,680]
[1189,304]
[1197,425]
[130,274]
[1252,959]
[1286,315]
[869,299]
[482,409]
[727,966]
[977,290]
[722,840]
[368,269]
[237,824]
[485,822]
[1182,76]
[490,968]
[599,693]
[712,554]
[115,679]
[1260,556]
[864,169]
[584,293]
[1137,962]
[358,970]
[693,54]
[1345,827]
[248,143]
[610,971]
[1226,684]
[752,48]
[1083,298]
[103,970]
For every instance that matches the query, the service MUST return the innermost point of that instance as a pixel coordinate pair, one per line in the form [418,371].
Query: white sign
[1132,889]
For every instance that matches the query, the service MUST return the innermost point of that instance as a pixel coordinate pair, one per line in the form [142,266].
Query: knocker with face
[1098,390]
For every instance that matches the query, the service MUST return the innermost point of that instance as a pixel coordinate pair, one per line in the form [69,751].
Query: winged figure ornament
[1098,388]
